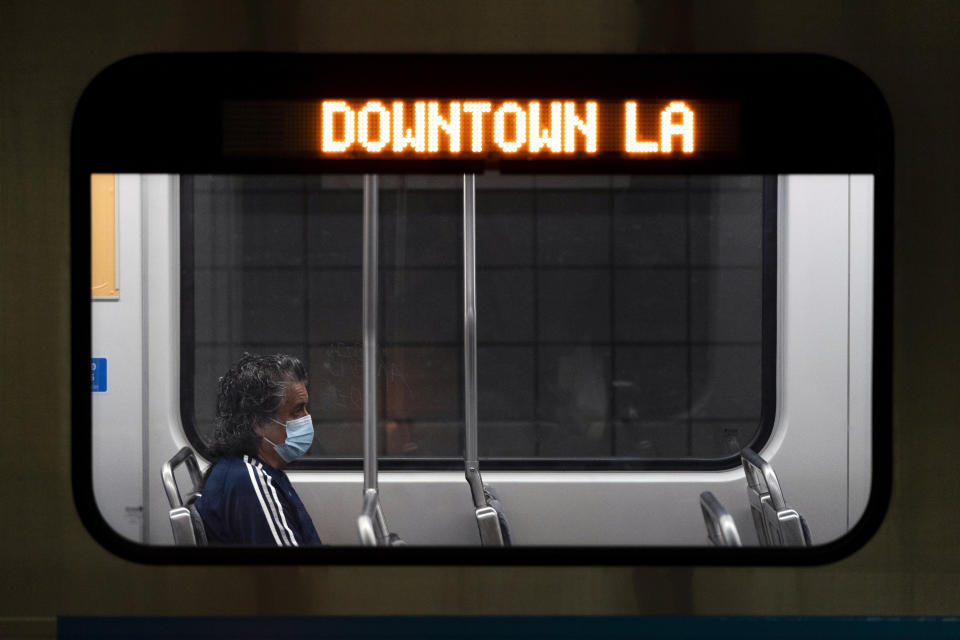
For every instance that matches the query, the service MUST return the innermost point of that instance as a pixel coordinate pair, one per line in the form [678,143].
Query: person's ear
[259,429]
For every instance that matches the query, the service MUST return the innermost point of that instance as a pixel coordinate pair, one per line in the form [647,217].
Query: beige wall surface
[49,51]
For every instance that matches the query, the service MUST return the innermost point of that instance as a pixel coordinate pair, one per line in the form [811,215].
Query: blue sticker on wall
[98,374]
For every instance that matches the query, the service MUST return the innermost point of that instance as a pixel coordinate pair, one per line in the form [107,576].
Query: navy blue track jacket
[246,501]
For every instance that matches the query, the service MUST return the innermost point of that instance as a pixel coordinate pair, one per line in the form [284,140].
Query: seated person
[262,424]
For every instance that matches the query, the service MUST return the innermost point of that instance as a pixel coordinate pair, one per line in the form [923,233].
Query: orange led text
[506,127]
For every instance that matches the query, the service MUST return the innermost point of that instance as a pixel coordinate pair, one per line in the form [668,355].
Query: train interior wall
[820,443]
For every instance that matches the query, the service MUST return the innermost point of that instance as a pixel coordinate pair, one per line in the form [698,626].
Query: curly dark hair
[249,394]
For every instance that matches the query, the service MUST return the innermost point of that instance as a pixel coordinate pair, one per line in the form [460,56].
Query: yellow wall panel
[103,240]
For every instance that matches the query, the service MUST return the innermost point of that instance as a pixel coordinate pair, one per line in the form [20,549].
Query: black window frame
[159,113]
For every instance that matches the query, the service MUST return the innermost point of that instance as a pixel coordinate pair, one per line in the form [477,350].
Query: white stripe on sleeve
[283,518]
[256,489]
[271,504]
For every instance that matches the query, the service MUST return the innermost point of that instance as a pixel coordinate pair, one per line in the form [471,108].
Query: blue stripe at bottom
[486,628]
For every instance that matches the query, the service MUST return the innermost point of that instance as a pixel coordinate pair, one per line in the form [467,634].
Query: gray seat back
[491,518]
[184,518]
[789,528]
[199,533]
[493,502]
[181,521]
[371,526]
[776,524]
[721,528]
[757,471]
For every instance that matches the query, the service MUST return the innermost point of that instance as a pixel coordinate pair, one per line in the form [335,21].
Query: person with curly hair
[262,424]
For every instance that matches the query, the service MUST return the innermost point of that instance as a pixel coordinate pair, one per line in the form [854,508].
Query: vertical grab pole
[488,519]
[373,527]
[370,269]
[471,457]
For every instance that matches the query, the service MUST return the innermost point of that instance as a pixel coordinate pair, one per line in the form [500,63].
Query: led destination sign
[554,127]
[550,129]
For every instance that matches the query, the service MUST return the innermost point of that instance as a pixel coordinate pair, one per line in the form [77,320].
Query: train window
[620,318]
[681,301]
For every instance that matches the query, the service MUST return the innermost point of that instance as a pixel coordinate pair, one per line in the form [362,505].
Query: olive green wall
[48,54]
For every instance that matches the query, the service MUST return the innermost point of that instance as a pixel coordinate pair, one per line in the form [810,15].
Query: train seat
[185,520]
[491,518]
[721,528]
[789,528]
[776,524]
[371,525]
[493,502]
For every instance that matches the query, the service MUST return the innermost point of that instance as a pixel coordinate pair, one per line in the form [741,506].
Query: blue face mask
[299,438]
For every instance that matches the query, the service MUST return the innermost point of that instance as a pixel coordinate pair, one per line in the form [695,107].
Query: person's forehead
[297,393]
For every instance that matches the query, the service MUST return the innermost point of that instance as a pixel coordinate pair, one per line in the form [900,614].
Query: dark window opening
[623,321]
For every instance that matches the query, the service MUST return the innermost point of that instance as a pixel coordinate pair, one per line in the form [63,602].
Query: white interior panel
[117,336]
[861,343]
[161,203]
[808,450]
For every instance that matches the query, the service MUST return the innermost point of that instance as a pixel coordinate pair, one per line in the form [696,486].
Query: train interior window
[612,311]
[635,336]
